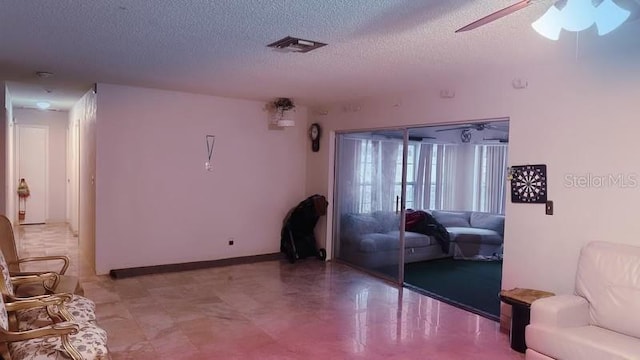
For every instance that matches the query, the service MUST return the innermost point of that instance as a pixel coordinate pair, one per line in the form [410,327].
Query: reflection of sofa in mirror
[371,240]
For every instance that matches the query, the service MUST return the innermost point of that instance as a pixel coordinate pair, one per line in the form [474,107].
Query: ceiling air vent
[291,44]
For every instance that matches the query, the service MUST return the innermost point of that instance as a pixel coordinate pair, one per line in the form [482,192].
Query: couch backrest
[452,218]
[474,219]
[608,277]
[493,222]
[356,224]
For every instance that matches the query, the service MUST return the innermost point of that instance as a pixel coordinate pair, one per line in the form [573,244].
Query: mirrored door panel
[369,201]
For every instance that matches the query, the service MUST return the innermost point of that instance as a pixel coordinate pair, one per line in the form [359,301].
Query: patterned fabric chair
[61,284]
[27,317]
[58,326]
[63,340]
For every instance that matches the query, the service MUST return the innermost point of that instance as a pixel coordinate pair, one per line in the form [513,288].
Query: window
[412,158]
[490,178]
[439,176]
[365,176]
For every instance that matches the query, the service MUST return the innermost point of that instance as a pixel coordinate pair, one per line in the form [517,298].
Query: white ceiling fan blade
[496,15]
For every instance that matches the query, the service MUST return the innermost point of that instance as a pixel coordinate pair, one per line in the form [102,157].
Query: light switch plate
[548,207]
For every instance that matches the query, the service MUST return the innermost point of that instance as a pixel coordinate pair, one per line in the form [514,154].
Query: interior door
[32,166]
[368,229]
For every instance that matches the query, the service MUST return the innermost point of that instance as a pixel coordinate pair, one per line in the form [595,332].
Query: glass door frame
[335,231]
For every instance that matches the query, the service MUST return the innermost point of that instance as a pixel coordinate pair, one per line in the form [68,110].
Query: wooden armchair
[59,340]
[61,283]
[74,307]
[47,326]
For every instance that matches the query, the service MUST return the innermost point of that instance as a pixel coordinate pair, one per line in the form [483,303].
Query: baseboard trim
[158,269]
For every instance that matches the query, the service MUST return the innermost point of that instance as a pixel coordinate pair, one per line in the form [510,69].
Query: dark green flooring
[472,285]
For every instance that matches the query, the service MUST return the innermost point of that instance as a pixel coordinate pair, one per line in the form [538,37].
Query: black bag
[297,239]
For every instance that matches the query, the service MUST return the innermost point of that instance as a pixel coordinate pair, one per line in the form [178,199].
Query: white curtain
[491,181]
[348,173]
[367,170]
[368,176]
[448,177]
[422,188]
[444,177]
[385,183]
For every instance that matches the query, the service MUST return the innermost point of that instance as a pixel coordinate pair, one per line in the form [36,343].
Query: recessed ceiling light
[43,105]
[44,74]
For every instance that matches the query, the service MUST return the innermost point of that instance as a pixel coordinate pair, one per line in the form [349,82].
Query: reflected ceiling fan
[571,15]
[477,127]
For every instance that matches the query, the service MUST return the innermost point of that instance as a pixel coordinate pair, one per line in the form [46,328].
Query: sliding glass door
[370,201]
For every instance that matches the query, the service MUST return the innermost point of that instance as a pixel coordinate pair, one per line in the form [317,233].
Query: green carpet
[472,285]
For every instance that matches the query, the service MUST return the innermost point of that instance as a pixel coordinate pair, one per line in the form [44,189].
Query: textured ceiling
[218,47]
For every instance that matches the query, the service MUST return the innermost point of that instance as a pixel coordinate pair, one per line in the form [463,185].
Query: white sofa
[602,320]
[370,240]
[472,234]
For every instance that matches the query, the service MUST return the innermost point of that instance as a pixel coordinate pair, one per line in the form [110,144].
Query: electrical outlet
[231,241]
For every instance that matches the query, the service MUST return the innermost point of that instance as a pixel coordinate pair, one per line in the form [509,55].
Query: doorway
[446,186]
[369,202]
[32,160]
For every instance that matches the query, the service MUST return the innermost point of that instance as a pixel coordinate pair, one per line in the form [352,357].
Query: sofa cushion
[387,220]
[378,242]
[608,277]
[390,241]
[583,342]
[493,222]
[474,235]
[451,218]
[414,240]
[354,225]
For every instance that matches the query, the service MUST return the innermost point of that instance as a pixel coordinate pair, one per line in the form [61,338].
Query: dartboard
[529,184]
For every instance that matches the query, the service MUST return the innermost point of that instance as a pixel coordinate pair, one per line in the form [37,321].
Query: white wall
[83,119]
[10,186]
[575,119]
[156,203]
[4,130]
[73,159]
[56,122]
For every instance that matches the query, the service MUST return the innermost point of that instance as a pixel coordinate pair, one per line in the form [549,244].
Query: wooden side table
[520,301]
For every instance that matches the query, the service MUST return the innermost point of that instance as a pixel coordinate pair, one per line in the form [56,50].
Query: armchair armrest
[63,296]
[54,305]
[63,330]
[64,259]
[560,311]
[48,280]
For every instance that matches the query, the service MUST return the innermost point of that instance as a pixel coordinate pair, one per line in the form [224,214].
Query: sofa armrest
[560,311]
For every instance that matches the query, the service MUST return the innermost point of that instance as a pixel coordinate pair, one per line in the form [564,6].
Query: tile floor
[271,310]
